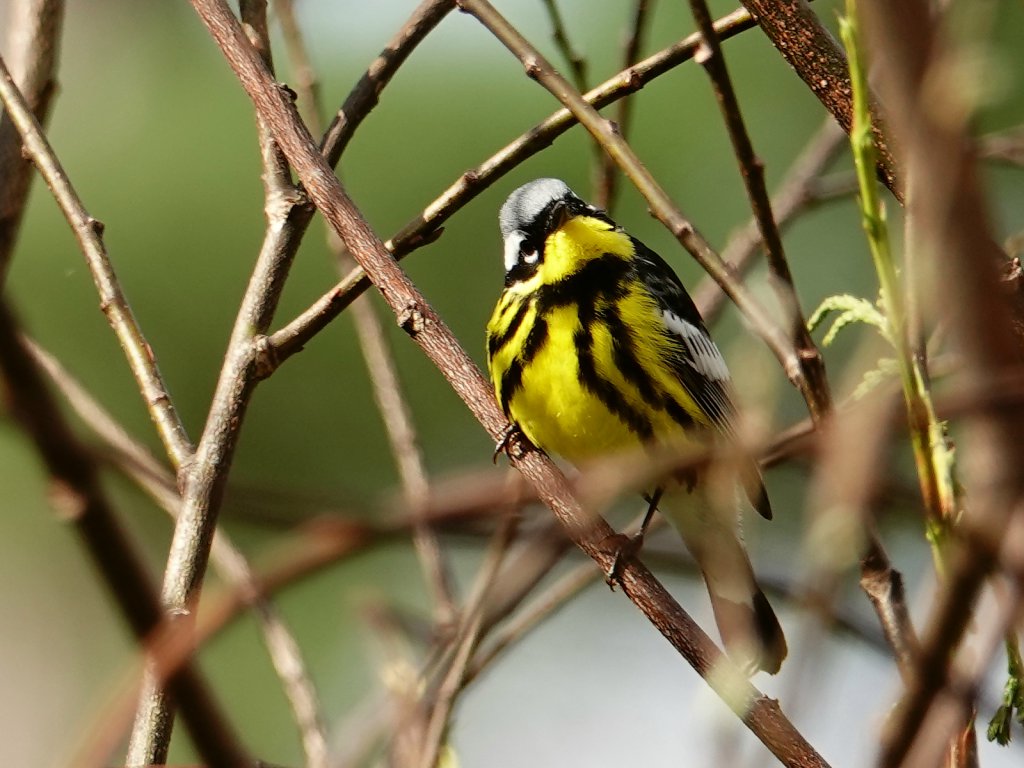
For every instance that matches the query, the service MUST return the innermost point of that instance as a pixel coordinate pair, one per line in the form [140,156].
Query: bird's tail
[709,525]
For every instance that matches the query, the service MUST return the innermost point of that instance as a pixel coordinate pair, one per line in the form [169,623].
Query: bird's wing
[692,355]
[697,361]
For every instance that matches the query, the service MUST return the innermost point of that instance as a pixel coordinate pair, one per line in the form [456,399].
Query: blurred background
[160,142]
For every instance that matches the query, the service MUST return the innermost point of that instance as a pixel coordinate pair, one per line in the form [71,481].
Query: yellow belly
[554,409]
[557,412]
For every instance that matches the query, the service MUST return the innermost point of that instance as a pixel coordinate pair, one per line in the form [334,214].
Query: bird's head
[530,215]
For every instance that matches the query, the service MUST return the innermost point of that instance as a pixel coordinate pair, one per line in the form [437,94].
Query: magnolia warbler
[596,347]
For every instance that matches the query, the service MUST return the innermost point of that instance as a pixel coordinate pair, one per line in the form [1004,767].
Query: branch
[577,64]
[606,189]
[205,478]
[32,44]
[752,171]
[402,437]
[365,94]
[807,46]
[88,231]
[135,461]
[380,364]
[799,190]
[79,498]
[419,320]
[307,84]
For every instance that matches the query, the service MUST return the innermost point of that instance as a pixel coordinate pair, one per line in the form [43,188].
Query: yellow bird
[595,347]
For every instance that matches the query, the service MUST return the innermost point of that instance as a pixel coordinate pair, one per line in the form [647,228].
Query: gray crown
[525,204]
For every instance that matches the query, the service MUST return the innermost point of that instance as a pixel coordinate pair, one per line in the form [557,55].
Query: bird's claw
[504,442]
[622,548]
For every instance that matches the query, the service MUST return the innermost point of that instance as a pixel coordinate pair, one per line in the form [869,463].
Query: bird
[595,347]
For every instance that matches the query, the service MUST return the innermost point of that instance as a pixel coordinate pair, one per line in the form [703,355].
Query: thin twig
[401,433]
[752,171]
[31,46]
[577,64]
[141,467]
[387,388]
[426,328]
[800,189]
[441,699]
[307,84]
[531,616]
[78,496]
[427,226]
[205,477]
[88,231]
[606,186]
[391,402]
[817,58]
[365,94]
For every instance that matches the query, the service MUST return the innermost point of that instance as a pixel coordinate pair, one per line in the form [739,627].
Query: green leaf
[850,309]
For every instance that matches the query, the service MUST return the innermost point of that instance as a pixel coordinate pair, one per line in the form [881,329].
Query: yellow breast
[560,367]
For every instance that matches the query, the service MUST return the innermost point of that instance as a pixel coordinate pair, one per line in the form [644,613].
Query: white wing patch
[707,359]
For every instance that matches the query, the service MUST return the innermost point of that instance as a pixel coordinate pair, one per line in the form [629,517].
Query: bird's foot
[504,442]
[622,548]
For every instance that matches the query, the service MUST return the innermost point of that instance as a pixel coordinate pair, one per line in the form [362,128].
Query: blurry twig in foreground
[944,190]
[79,498]
[135,461]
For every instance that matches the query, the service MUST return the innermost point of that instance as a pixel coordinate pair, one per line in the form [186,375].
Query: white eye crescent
[531,257]
[512,245]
